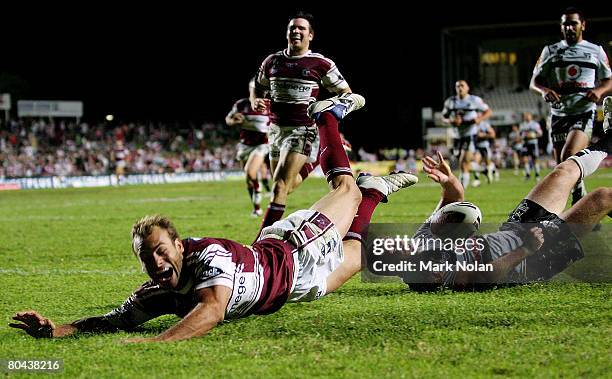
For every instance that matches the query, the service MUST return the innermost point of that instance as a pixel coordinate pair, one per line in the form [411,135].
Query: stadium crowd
[48,147]
[38,147]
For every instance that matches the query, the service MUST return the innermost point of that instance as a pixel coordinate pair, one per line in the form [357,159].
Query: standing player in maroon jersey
[206,280]
[292,78]
[253,146]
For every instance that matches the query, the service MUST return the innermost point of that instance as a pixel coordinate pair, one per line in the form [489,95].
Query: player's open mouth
[164,275]
[296,37]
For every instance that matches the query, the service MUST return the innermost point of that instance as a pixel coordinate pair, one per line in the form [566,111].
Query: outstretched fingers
[33,323]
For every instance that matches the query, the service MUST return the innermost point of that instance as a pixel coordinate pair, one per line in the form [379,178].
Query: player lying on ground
[539,239]
[207,280]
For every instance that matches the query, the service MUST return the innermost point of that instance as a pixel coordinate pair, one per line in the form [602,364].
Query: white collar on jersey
[565,44]
[286,54]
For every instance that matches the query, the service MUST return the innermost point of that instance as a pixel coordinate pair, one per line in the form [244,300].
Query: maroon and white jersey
[261,278]
[254,130]
[293,82]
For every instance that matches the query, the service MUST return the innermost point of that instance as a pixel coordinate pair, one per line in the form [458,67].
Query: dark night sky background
[191,62]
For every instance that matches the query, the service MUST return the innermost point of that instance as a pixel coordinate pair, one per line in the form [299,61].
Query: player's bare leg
[465,160]
[515,162]
[349,267]
[587,212]
[251,168]
[552,192]
[374,190]
[576,141]
[285,170]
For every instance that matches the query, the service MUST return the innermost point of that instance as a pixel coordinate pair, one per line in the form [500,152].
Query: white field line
[59,271]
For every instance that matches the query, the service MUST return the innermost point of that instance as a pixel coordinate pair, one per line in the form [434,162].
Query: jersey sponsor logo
[213,271]
[573,71]
[288,86]
[240,290]
[568,84]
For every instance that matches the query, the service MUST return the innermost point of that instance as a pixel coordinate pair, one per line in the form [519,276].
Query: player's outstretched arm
[39,326]
[440,172]
[209,312]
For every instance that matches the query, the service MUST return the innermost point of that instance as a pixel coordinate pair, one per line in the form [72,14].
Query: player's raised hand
[439,171]
[34,324]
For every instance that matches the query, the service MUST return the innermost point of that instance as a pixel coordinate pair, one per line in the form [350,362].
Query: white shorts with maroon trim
[296,139]
[318,251]
[244,151]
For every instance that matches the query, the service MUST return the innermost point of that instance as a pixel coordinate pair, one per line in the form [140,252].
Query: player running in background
[572,75]
[253,145]
[531,132]
[464,111]
[485,135]
[290,80]
[515,140]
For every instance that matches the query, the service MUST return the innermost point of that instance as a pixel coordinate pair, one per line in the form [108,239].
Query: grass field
[66,253]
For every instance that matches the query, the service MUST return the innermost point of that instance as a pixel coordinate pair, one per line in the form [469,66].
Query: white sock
[588,161]
[465,179]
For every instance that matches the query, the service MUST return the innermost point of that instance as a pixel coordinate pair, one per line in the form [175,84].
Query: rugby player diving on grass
[207,280]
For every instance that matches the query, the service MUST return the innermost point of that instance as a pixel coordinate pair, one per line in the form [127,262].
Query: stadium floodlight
[109,117]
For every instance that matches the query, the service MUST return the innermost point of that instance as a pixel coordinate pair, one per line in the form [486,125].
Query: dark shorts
[485,152]
[562,125]
[463,144]
[531,150]
[561,247]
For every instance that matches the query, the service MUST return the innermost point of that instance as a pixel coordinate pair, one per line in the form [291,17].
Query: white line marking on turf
[59,271]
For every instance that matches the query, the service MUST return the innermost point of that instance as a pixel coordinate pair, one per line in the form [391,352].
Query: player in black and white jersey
[464,111]
[531,132]
[572,75]
[485,135]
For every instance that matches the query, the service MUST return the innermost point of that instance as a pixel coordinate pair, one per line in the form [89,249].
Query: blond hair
[144,227]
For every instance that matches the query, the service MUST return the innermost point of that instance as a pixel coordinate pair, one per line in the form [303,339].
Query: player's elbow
[215,314]
[535,85]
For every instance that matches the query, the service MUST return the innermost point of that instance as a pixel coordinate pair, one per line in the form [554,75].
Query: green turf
[66,253]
